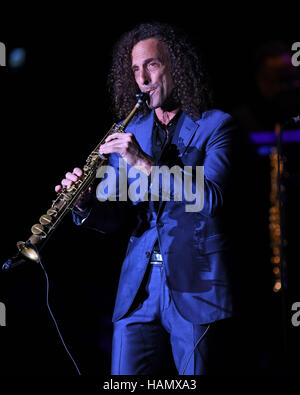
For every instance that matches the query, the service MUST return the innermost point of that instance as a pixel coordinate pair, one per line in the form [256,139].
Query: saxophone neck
[142,97]
[130,116]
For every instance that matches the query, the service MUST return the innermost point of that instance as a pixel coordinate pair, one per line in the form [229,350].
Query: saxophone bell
[66,199]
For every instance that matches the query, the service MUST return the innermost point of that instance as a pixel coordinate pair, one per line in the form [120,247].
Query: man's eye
[153,65]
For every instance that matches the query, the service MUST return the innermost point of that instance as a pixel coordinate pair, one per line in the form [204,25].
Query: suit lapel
[184,133]
[143,133]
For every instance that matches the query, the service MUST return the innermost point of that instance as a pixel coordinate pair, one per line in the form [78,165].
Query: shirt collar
[172,122]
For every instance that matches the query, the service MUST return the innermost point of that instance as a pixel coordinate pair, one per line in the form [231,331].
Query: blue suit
[196,246]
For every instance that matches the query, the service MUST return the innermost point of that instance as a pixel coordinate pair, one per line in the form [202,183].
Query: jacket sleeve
[221,156]
[109,215]
[211,179]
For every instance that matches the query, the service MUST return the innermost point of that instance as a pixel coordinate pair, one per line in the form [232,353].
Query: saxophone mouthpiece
[142,97]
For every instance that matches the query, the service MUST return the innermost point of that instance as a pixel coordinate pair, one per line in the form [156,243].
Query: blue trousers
[153,338]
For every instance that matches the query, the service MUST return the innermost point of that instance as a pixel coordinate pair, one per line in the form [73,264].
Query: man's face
[151,68]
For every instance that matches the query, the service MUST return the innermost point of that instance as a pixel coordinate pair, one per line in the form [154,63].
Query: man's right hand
[69,180]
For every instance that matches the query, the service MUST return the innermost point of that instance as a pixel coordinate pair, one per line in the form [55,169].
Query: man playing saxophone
[176,294]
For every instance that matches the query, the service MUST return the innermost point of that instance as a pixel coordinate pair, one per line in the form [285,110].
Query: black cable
[198,342]
[50,311]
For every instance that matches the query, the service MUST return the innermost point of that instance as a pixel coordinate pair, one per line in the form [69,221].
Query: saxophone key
[34,239]
[52,212]
[67,196]
[45,219]
[37,229]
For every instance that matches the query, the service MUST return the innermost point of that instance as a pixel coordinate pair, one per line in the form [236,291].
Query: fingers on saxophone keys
[71,177]
[64,183]
[77,171]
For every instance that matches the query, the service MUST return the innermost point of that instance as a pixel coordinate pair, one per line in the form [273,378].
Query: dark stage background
[54,110]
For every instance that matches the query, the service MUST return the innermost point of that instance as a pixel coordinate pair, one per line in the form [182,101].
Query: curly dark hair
[192,89]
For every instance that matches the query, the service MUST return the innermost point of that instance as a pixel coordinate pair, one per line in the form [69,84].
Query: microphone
[145,97]
[15,261]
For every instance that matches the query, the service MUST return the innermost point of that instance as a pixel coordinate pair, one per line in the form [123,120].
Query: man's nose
[145,78]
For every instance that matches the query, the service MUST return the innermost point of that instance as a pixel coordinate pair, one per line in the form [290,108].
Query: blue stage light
[17,57]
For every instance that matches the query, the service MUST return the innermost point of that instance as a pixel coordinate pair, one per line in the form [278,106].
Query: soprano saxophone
[66,199]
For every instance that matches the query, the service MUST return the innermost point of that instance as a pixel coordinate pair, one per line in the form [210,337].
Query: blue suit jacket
[196,246]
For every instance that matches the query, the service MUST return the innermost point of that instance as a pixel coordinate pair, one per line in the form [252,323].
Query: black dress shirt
[162,135]
[161,139]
